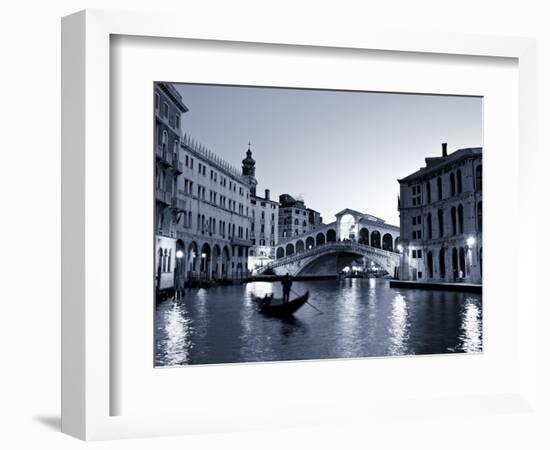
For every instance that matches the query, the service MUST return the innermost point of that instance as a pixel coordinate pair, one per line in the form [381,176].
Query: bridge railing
[330,247]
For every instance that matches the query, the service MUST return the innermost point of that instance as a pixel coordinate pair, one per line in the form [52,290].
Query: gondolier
[287,286]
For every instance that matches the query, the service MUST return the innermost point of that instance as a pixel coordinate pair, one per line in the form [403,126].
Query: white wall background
[30,188]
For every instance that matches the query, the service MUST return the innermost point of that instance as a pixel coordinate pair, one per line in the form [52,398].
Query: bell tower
[249,170]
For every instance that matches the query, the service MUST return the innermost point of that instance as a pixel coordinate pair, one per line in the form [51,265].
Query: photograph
[296,224]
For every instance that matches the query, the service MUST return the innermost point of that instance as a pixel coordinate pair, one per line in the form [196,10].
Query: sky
[335,149]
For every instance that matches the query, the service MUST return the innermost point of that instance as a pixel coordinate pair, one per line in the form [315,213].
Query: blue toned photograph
[306,224]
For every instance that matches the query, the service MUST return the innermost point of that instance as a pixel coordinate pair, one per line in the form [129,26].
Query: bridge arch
[300,246]
[375,240]
[331,235]
[280,253]
[320,239]
[364,236]
[310,242]
[289,249]
[387,242]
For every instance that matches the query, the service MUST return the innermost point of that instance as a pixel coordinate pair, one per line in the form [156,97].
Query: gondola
[276,308]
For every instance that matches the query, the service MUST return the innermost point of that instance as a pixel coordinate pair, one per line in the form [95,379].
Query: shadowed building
[169,108]
[441,219]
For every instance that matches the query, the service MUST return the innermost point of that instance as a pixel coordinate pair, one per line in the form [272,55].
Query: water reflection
[360,318]
[471,327]
[176,330]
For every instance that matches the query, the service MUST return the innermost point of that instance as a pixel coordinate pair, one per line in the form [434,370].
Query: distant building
[441,219]
[295,219]
[264,230]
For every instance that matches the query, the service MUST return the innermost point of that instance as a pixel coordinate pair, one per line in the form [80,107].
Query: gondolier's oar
[307,302]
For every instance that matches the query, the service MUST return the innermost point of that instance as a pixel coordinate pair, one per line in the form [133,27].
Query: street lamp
[178,273]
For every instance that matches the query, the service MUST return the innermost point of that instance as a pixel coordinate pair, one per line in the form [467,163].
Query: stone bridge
[328,258]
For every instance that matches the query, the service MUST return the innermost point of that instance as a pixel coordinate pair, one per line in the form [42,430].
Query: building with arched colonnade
[349,226]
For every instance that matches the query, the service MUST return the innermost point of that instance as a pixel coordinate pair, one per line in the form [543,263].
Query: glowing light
[470,242]
[399,248]
[203,255]
[179,254]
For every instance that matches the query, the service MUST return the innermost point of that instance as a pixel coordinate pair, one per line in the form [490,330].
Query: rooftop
[434,164]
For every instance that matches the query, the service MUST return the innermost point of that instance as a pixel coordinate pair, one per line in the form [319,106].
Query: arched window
[439,188]
[429,192]
[160,259]
[460,219]
[296,222]
[289,249]
[430,231]
[280,252]
[304,223]
[459,181]
[453,184]
[479,217]
[442,263]
[430,265]
[455,263]
[164,140]
[462,260]
[453,219]
[440,222]
[479,178]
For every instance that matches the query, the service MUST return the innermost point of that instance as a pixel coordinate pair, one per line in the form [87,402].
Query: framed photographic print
[250,219]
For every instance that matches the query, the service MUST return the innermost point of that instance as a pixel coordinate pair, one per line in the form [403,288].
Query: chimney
[444,149]
[267,194]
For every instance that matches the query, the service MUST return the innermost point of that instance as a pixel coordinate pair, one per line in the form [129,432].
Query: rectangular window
[419,253]
[165,110]
[157,100]
[178,121]
[414,253]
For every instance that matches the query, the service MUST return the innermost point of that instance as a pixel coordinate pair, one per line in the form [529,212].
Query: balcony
[241,241]
[177,165]
[177,203]
[163,196]
[163,155]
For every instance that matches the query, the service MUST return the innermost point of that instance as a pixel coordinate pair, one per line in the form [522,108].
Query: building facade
[169,108]
[264,229]
[213,228]
[441,219]
[202,205]
[295,219]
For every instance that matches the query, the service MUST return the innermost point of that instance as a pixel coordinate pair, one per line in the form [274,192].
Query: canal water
[361,318]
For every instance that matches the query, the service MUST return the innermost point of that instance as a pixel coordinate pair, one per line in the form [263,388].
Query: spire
[249,165]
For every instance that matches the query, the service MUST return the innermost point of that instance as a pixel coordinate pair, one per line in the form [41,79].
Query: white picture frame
[86,247]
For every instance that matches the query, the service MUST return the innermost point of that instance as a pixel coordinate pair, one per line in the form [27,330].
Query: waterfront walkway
[457,287]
